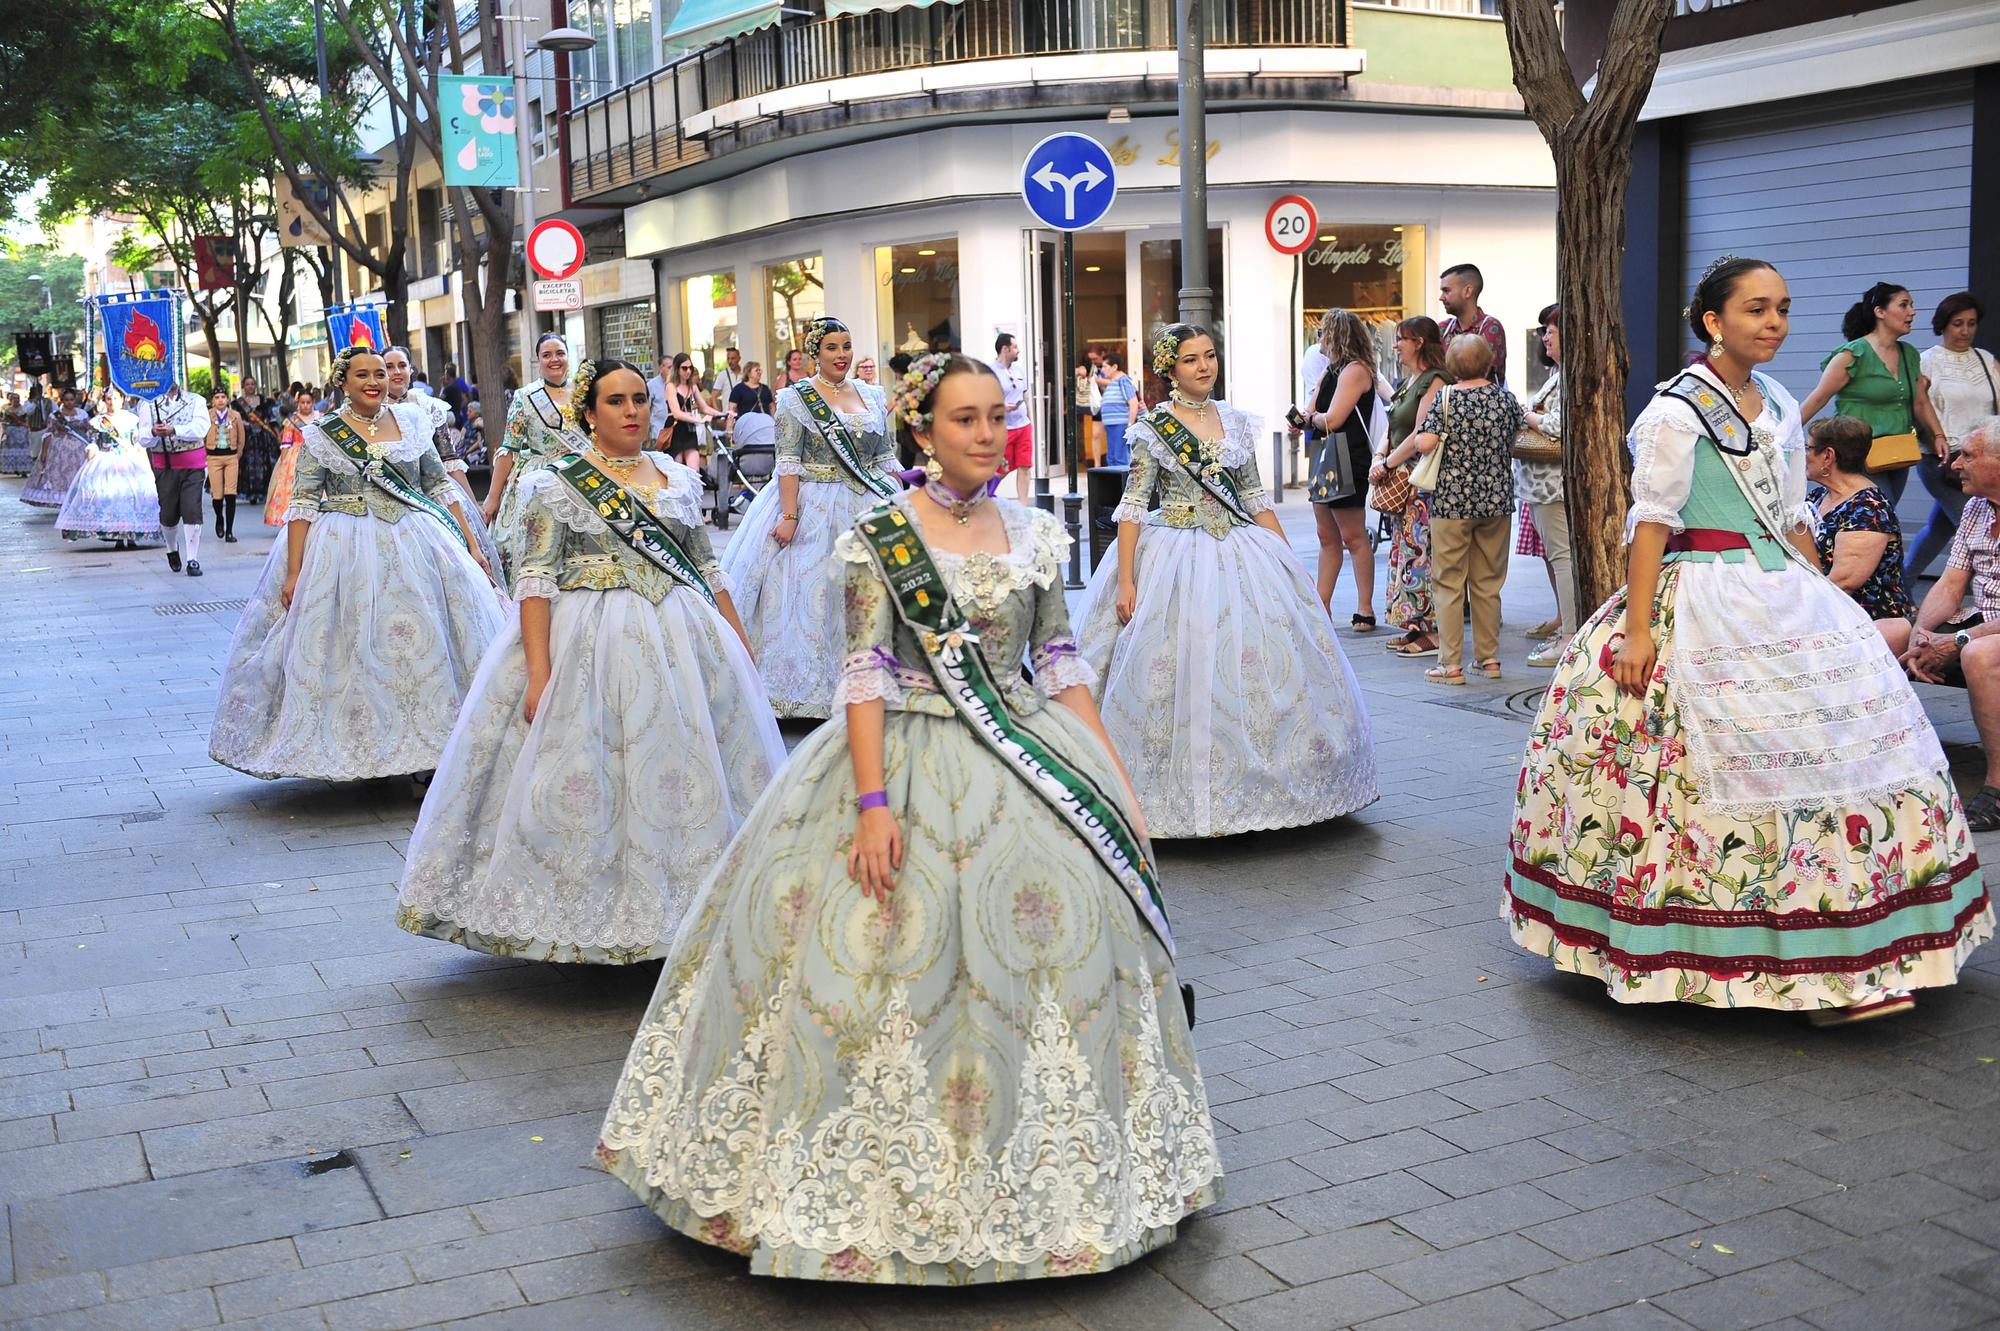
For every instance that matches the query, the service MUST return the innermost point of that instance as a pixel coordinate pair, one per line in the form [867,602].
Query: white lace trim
[790,467]
[407,449]
[1056,670]
[1240,432]
[875,417]
[546,588]
[1036,548]
[882,1174]
[298,512]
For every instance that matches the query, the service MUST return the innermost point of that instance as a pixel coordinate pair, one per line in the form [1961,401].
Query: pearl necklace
[961,507]
[620,467]
[372,424]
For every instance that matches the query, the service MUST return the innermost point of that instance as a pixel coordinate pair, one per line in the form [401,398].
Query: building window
[1375,270]
[1159,302]
[625,332]
[794,295]
[538,138]
[708,312]
[916,300]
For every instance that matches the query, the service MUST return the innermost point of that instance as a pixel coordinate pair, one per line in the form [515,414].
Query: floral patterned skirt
[1410,606]
[987,1077]
[1618,871]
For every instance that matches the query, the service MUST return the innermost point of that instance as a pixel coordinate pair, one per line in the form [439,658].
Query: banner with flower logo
[479,128]
[142,340]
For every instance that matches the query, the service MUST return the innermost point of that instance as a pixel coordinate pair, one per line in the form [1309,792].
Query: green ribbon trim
[386,478]
[1186,447]
[841,441]
[633,521]
[966,679]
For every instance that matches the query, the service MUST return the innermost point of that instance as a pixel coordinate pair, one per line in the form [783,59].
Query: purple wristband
[874,799]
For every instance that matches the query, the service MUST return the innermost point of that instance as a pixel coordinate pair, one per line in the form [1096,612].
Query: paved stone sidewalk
[232,1092]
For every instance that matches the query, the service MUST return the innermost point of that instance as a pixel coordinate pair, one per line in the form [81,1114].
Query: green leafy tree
[39,290]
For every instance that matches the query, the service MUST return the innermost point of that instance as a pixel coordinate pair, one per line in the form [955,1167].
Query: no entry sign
[555,250]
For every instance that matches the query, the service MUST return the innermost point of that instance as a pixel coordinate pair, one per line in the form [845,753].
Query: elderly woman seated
[1859,540]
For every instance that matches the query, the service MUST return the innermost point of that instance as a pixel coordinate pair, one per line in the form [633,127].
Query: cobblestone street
[231,1091]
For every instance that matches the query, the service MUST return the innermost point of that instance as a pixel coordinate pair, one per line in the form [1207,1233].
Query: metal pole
[1197,301]
[1073,413]
[333,213]
[526,191]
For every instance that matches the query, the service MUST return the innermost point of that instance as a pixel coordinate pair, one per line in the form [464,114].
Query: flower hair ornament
[915,388]
[579,389]
[343,360]
[1166,348]
[817,330]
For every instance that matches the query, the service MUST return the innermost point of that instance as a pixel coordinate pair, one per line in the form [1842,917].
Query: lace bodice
[1183,503]
[538,428]
[1013,601]
[328,481]
[803,451]
[566,546]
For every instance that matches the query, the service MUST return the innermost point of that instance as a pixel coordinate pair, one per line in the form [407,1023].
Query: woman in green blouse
[1875,376]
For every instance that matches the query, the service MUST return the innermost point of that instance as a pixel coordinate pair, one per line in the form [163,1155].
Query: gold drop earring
[1715,347]
[932,467]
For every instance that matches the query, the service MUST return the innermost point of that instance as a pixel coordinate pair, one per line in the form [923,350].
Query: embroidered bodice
[804,452]
[538,428]
[567,547]
[1682,479]
[1183,502]
[328,481]
[1014,602]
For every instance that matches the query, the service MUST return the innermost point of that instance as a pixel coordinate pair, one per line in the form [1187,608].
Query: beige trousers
[1468,556]
[1552,521]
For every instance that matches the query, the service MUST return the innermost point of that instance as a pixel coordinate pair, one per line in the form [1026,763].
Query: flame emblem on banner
[362,338]
[143,341]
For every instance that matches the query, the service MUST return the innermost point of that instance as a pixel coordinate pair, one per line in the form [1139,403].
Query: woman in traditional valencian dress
[1731,796]
[836,459]
[64,450]
[278,495]
[922,1026]
[616,736]
[113,497]
[1216,665]
[16,458]
[539,430]
[364,632]
[397,359]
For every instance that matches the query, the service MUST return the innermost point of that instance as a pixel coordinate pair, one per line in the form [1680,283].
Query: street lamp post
[1197,301]
[556,39]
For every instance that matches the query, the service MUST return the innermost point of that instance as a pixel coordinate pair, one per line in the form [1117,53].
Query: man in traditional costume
[174,429]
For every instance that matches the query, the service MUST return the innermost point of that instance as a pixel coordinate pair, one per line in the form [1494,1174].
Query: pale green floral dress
[989,1078]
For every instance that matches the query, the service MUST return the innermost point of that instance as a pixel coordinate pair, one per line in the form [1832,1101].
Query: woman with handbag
[1538,479]
[1343,407]
[1878,377]
[1963,386]
[1420,350]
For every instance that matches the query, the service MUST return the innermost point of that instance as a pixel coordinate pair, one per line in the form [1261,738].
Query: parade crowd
[917,1017]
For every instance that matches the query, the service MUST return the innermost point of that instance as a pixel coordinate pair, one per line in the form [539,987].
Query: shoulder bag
[1531,445]
[1424,476]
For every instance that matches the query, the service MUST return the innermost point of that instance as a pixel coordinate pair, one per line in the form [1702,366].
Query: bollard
[1277,485]
[1072,519]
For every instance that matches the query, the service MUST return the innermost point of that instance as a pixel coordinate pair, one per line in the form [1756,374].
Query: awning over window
[700,23]
[838,8]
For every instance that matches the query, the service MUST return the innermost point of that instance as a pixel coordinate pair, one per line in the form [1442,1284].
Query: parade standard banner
[354,325]
[33,351]
[297,226]
[478,115]
[142,340]
[215,262]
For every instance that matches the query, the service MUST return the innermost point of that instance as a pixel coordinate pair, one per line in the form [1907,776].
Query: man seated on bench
[1952,644]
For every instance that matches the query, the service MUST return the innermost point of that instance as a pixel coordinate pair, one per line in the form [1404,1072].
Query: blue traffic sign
[1068,181]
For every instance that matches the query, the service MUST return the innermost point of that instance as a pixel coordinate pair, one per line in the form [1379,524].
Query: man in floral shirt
[1459,288]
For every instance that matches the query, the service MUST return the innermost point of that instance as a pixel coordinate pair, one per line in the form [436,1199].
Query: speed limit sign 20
[1291,225]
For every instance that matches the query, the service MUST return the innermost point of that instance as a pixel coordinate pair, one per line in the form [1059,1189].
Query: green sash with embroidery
[386,478]
[842,441]
[966,678]
[632,521]
[1186,448]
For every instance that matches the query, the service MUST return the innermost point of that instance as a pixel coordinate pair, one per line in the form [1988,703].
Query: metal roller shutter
[1838,194]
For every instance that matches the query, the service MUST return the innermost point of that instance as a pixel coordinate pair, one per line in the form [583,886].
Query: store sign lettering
[1334,258]
[1124,152]
[930,270]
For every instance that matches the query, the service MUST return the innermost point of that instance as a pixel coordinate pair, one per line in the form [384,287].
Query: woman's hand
[490,509]
[285,592]
[877,854]
[1633,670]
[1128,600]
[1378,473]
[531,703]
[786,531]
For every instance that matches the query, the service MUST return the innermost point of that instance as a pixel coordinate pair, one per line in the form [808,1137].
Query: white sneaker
[1547,658]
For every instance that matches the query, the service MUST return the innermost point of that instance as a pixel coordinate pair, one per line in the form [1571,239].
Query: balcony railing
[634,132]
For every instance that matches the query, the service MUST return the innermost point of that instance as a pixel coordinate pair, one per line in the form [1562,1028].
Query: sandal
[1362,623]
[1548,628]
[1982,811]
[1490,669]
[1445,675]
[1416,649]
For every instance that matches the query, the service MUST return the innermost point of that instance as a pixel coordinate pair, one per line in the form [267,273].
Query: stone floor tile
[1372,1247]
[1327,1305]
[1609,1282]
[1753,1298]
[1437,1276]
[1482,1216]
[1489,1310]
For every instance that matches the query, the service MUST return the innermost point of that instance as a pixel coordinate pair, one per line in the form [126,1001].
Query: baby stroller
[742,464]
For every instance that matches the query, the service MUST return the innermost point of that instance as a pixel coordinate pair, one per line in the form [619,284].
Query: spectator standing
[794,371]
[1421,356]
[752,396]
[1020,429]
[1540,487]
[1118,397]
[1345,404]
[1474,421]
[1877,376]
[1459,289]
[1964,389]
[726,378]
[864,370]
[224,445]
[659,417]
[689,411]
[455,393]
[1859,541]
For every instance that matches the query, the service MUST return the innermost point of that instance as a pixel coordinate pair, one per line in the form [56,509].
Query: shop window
[794,295]
[708,312]
[1376,271]
[1159,301]
[916,300]
[625,332]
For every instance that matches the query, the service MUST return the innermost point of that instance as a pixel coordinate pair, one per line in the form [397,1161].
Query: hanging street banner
[354,325]
[296,226]
[142,340]
[215,262]
[478,114]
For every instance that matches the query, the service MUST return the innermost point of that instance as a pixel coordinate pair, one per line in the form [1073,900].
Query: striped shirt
[1117,398]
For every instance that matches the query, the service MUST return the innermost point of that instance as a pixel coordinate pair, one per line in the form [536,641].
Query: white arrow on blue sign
[1068,181]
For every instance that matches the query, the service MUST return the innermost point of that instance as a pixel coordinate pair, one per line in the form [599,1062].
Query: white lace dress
[364,676]
[789,610]
[1227,695]
[583,836]
[439,413]
[989,1077]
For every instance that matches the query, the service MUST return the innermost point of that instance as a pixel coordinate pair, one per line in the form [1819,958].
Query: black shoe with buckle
[174,561]
[194,568]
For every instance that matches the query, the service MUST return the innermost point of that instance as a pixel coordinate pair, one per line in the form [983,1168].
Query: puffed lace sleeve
[791,442]
[307,484]
[1663,443]
[540,569]
[1244,430]
[869,671]
[1052,652]
[1137,501]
